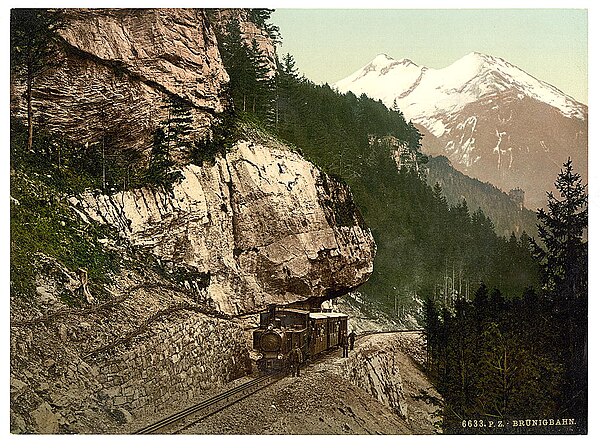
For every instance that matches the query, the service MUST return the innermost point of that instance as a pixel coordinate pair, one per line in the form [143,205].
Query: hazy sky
[330,44]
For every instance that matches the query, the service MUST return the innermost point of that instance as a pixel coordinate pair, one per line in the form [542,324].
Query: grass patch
[41,220]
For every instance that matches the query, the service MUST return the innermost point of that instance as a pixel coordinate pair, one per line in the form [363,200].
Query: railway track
[179,421]
[371,332]
[182,420]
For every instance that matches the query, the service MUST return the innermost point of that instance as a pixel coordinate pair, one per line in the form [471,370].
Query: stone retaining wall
[56,388]
[175,364]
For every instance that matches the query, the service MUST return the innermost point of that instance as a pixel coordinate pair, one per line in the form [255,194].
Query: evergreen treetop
[561,231]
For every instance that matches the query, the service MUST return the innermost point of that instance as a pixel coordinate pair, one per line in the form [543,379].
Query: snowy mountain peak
[490,118]
[381,59]
[423,93]
[477,64]
[381,65]
[476,61]
[472,62]
[381,78]
[476,55]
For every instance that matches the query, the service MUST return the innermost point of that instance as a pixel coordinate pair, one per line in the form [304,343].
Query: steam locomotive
[283,330]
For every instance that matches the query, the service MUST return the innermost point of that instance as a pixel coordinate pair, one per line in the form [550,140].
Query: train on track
[283,330]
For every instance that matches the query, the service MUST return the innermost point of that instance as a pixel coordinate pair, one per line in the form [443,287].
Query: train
[283,330]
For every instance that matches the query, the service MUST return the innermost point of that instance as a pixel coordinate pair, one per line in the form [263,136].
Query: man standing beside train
[351,339]
[295,362]
[344,345]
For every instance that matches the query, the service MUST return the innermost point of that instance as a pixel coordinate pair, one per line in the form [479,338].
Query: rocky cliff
[257,225]
[118,69]
[387,366]
[262,225]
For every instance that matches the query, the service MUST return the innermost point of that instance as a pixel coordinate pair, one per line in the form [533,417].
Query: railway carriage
[327,331]
[283,330]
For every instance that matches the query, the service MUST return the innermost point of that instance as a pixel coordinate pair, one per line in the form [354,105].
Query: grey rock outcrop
[385,366]
[262,224]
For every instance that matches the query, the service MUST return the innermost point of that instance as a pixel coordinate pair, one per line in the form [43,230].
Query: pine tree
[563,256]
[34,49]
[432,328]
[178,125]
[237,61]
[263,92]
[288,67]
[172,136]
[159,166]
[561,231]
[222,137]
[260,17]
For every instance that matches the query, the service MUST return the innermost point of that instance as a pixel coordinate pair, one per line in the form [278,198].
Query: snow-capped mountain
[490,118]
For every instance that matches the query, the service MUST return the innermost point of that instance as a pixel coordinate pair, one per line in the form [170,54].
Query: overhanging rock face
[262,225]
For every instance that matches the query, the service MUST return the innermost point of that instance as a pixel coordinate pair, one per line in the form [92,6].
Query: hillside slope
[125,300]
[508,214]
[378,389]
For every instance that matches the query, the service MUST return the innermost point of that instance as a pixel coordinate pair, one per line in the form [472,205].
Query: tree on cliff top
[261,17]
[33,49]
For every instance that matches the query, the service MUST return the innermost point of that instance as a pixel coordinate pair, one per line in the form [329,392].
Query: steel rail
[212,405]
[372,332]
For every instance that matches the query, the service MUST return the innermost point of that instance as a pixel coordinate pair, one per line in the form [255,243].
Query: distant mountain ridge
[491,119]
